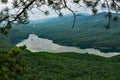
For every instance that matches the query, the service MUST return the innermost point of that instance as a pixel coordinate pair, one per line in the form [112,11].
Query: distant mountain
[38,21]
[83,14]
[89,32]
[65,16]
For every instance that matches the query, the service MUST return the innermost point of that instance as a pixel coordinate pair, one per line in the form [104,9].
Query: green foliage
[70,66]
[12,64]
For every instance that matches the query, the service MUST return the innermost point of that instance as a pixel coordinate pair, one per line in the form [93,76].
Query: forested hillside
[70,66]
[5,43]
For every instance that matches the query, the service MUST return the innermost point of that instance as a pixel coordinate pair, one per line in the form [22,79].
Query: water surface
[37,44]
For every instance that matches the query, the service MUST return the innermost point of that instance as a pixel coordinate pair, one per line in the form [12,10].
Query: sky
[36,14]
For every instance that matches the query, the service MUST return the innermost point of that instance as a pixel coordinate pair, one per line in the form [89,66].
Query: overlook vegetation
[70,66]
[89,32]
[19,64]
[12,64]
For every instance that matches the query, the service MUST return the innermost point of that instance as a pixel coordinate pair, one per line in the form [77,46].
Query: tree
[12,64]
[23,6]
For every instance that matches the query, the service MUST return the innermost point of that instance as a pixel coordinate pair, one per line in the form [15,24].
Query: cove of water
[37,44]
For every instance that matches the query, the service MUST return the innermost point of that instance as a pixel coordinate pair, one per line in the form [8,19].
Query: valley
[59,40]
[89,32]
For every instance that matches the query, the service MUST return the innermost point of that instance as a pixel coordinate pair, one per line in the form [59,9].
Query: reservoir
[37,44]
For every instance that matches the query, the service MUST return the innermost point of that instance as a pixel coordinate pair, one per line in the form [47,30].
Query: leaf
[94,10]
[4,1]
[76,1]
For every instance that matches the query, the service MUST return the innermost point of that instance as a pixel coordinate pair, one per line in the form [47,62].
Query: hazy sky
[39,15]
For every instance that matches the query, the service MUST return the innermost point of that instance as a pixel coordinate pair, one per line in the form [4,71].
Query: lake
[37,44]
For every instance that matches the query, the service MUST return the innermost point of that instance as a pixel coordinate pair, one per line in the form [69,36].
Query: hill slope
[5,43]
[70,66]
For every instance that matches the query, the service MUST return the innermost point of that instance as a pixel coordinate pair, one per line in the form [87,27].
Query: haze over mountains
[89,32]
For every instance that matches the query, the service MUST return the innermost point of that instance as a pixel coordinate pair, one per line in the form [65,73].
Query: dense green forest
[70,66]
[89,31]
